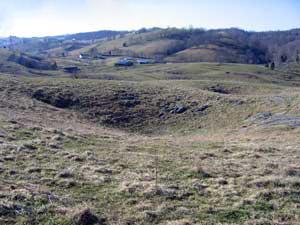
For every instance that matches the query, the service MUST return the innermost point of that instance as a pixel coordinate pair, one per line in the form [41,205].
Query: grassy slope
[12,68]
[212,167]
[175,46]
[142,45]
[131,39]
[205,53]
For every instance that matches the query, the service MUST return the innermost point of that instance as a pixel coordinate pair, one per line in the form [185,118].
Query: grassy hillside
[105,70]
[180,45]
[8,66]
[41,45]
[209,53]
[194,143]
[198,45]
[22,64]
[172,45]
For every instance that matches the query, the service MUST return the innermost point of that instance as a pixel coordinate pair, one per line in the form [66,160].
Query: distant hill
[40,45]
[199,45]
[282,46]
[173,45]
[92,35]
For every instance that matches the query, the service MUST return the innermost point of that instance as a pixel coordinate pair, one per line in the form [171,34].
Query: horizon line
[169,27]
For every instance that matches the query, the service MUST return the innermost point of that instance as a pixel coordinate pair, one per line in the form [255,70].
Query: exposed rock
[202,108]
[88,153]
[2,133]
[9,158]
[104,170]
[179,109]
[199,186]
[34,170]
[12,172]
[278,100]
[161,115]
[266,119]
[292,121]
[65,174]
[71,156]
[21,148]
[13,127]
[178,98]
[57,137]
[218,89]
[53,145]
[260,116]
[36,128]
[293,171]
[67,183]
[39,142]
[222,181]
[72,137]
[8,146]
[236,102]
[13,121]
[100,181]
[78,158]
[65,153]
[28,146]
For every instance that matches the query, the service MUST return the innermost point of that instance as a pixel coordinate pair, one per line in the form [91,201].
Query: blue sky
[28,18]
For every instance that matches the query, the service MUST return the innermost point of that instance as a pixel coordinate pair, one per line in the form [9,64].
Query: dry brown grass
[215,169]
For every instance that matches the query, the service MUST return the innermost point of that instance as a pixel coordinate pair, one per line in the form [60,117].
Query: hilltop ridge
[172,45]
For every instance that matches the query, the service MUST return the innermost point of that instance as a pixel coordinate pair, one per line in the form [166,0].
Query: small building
[73,69]
[123,62]
[99,56]
[129,58]
[84,56]
[144,61]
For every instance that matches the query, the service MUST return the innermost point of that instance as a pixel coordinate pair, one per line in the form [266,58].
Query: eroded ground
[226,158]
